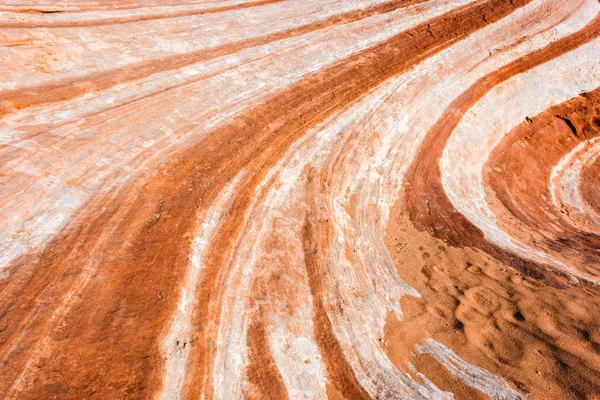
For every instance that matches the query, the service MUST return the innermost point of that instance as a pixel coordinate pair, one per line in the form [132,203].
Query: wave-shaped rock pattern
[300,199]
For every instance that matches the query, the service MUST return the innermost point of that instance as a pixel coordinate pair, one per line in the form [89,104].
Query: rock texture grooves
[285,199]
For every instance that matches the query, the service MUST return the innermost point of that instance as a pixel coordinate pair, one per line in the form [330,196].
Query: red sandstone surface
[300,199]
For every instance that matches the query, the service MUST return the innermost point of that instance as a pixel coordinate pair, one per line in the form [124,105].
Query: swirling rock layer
[382,199]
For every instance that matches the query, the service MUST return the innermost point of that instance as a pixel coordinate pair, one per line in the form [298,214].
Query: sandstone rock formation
[300,199]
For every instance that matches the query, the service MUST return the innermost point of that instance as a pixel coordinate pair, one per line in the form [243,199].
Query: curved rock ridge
[300,199]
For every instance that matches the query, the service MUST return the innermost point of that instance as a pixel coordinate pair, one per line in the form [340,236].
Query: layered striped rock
[386,199]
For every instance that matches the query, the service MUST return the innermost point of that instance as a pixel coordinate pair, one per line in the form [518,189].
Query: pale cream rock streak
[395,129]
[277,211]
[498,113]
[288,303]
[63,153]
[83,5]
[565,189]
[69,14]
[94,102]
[177,344]
[277,215]
[494,386]
[42,56]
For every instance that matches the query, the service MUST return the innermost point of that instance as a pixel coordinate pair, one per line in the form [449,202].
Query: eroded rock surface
[300,199]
